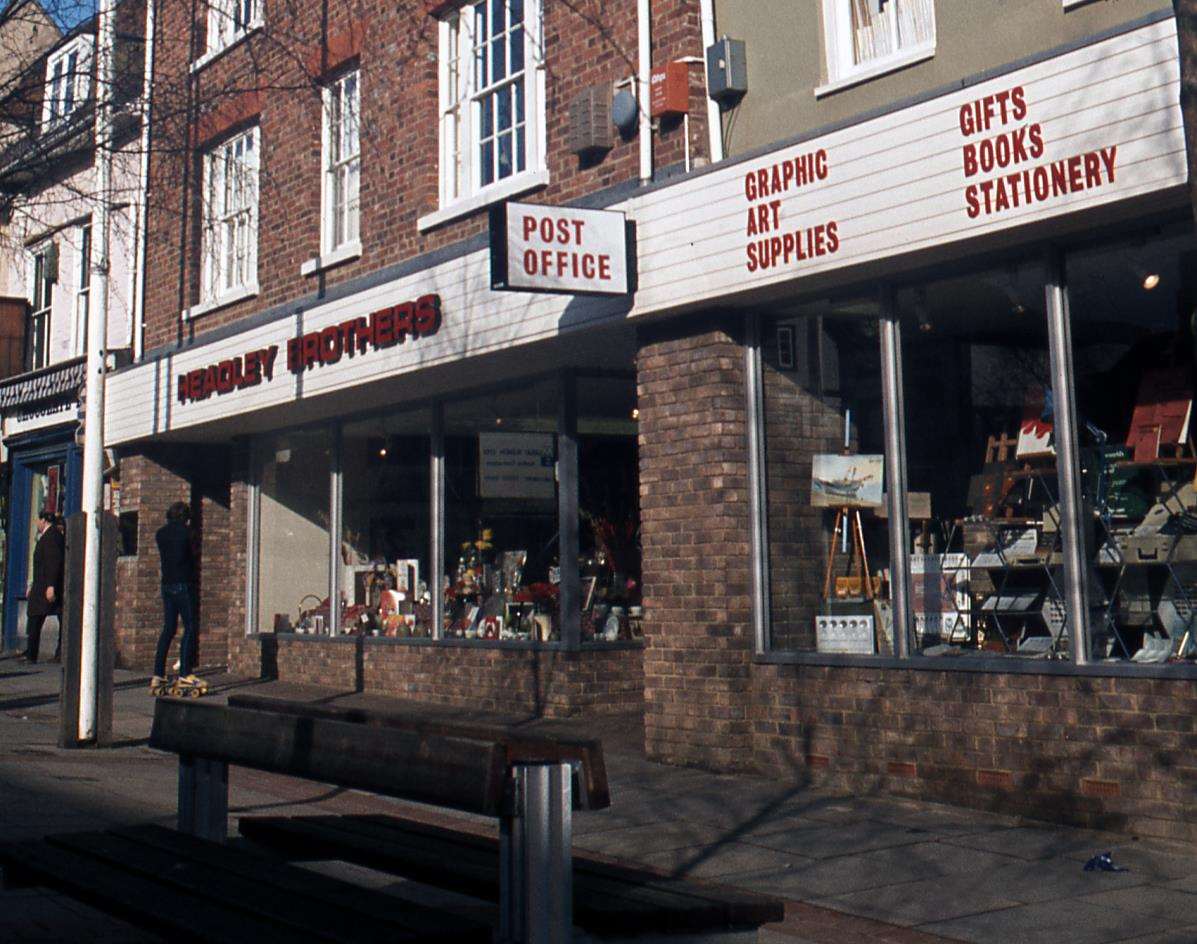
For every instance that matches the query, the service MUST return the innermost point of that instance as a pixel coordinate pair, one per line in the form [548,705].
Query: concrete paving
[852,869]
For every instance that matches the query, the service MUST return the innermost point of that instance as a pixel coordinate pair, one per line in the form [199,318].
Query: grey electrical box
[727,71]
[590,128]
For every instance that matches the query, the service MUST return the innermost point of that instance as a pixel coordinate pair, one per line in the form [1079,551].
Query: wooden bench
[608,898]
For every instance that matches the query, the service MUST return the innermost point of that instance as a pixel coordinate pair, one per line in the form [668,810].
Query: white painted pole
[644,23]
[97,342]
[714,115]
[137,301]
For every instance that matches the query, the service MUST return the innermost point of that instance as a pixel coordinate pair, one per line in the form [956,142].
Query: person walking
[45,589]
[178,576]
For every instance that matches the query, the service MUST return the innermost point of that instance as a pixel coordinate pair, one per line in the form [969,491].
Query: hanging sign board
[565,250]
[516,465]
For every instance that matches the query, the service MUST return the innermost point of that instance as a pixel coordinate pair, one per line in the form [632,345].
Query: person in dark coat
[178,577]
[45,588]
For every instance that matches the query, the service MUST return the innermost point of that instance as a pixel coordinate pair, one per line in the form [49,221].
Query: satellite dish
[624,111]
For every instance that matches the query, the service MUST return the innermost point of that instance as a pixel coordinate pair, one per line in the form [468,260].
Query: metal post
[758,520]
[436,524]
[203,798]
[536,868]
[92,498]
[1068,468]
[567,512]
[895,460]
[334,536]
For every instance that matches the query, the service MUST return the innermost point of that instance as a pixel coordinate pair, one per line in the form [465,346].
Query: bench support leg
[536,849]
[203,798]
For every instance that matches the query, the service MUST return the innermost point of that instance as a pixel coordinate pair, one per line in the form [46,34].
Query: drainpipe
[714,115]
[97,341]
[644,22]
[137,301]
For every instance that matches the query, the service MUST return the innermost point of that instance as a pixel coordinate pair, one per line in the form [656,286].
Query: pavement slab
[867,869]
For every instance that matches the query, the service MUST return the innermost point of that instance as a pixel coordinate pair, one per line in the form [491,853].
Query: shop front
[40,415]
[882,478]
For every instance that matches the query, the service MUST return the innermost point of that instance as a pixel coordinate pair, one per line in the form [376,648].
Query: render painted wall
[787,57]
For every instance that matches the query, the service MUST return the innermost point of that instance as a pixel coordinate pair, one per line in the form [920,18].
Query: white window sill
[344,253]
[1074,3]
[213,54]
[221,301]
[511,187]
[880,67]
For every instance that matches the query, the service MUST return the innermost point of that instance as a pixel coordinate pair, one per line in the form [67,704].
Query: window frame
[333,105]
[241,17]
[75,58]
[42,279]
[81,307]
[842,71]
[459,134]
[215,287]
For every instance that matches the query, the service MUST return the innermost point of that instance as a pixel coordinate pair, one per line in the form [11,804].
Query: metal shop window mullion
[758,517]
[252,541]
[436,511]
[895,463]
[335,496]
[1068,470]
[570,606]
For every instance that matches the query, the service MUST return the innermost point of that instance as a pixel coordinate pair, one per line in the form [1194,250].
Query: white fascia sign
[562,250]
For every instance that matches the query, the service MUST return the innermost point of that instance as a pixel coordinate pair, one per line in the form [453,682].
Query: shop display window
[828,540]
[985,546]
[609,509]
[502,575]
[293,474]
[385,580]
[1132,307]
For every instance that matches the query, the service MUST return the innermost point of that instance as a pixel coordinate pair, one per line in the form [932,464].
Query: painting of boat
[847,481]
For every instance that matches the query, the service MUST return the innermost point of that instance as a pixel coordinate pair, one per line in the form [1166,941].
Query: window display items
[611,581]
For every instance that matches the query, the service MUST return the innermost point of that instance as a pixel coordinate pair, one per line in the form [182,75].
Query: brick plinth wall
[551,684]
[695,535]
[1112,753]
[150,483]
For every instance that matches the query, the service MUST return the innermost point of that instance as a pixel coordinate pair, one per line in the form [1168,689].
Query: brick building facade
[989,652]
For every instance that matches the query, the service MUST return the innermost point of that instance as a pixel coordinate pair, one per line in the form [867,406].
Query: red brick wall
[1113,753]
[511,681]
[588,42]
[150,483]
[695,535]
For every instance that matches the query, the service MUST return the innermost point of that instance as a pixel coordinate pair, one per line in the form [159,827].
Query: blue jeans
[176,602]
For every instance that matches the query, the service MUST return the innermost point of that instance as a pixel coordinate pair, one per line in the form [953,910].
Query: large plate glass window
[1132,307]
[824,480]
[386,583]
[609,508]
[293,473]
[342,161]
[230,243]
[489,94]
[503,574]
[983,495]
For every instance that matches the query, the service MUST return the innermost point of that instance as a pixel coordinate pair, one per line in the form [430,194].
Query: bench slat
[453,772]
[521,747]
[170,914]
[291,881]
[606,898]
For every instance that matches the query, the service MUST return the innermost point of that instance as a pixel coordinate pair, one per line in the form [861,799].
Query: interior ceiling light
[636,413]
[1150,281]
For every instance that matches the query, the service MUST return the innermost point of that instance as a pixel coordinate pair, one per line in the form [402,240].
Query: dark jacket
[48,557]
[174,547]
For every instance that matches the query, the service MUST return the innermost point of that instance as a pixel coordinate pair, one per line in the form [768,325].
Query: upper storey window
[342,161]
[68,81]
[491,101]
[230,242]
[229,20]
[867,38]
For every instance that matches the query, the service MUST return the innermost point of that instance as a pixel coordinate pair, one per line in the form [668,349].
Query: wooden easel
[844,518]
